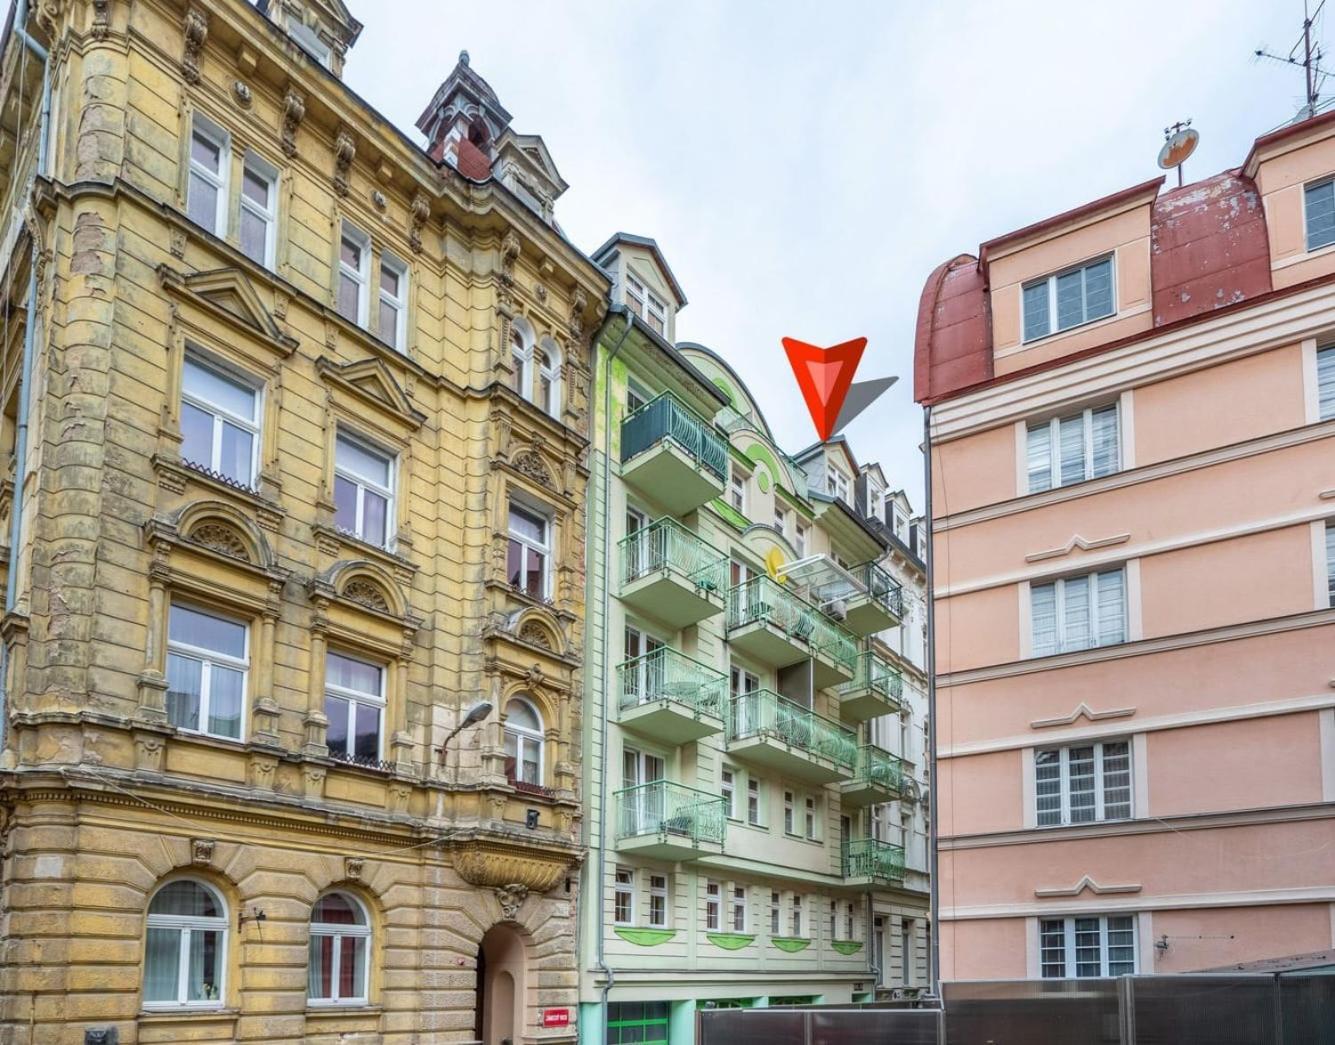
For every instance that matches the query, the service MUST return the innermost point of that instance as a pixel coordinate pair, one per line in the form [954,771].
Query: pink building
[1132,415]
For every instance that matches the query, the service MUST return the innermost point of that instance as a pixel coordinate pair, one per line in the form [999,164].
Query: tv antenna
[1305,53]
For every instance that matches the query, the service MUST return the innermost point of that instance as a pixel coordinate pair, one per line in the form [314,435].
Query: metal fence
[1243,1009]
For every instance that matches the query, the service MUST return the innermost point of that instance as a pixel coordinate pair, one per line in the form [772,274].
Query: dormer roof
[332,14]
[617,239]
[464,93]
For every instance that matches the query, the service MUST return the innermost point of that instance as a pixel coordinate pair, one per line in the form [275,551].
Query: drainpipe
[25,376]
[600,961]
[929,548]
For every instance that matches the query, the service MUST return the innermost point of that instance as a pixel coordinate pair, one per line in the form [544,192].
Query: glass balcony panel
[875,689]
[671,697]
[878,778]
[766,729]
[870,861]
[671,575]
[879,604]
[673,454]
[779,627]
[669,821]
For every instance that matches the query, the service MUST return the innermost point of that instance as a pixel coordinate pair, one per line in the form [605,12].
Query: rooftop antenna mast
[1310,62]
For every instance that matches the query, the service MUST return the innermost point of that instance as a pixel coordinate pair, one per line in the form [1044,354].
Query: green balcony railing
[763,713]
[665,809]
[881,587]
[879,768]
[870,858]
[766,600]
[871,672]
[666,544]
[665,674]
[667,417]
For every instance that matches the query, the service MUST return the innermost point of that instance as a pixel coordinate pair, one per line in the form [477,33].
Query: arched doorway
[499,1018]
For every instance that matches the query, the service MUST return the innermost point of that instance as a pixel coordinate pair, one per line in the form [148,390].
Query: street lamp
[476,713]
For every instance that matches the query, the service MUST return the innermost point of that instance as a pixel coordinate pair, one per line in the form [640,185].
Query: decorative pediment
[228,294]
[370,381]
[365,584]
[1076,541]
[1082,710]
[1088,884]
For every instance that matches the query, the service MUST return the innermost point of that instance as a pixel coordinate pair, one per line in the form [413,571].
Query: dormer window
[309,41]
[837,484]
[1069,298]
[1319,213]
[646,304]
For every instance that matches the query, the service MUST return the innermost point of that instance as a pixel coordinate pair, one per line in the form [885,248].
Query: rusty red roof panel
[1208,247]
[953,346]
[472,161]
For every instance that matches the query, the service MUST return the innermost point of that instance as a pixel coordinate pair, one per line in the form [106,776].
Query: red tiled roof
[473,162]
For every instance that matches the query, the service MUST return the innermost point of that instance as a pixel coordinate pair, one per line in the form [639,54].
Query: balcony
[669,697]
[868,862]
[767,730]
[778,627]
[673,455]
[879,777]
[877,604]
[874,690]
[669,821]
[671,575]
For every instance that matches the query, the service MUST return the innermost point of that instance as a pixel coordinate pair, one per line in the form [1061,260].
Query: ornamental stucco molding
[499,868]
[1087,883]
[1076,541]
[1082,710]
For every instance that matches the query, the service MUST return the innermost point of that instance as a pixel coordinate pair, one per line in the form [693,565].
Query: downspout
[609,977]
[929,548]
[25,374]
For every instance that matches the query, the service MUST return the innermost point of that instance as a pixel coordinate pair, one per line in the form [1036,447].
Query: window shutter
[1111,607]
[1039,457]
[1036,323]
[1072,439]
[1104,426]
[1043,616]
[1075,610]
[1325,383]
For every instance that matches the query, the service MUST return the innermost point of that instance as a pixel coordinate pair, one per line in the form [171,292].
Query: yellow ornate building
[294,419]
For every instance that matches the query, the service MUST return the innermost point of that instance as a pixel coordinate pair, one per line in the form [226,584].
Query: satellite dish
[1178,147]
[774,563]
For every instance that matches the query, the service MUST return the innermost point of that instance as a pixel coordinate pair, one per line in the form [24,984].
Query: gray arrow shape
[861,394]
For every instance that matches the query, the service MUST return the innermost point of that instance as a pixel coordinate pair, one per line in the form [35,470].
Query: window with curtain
[363,491]
[528,552]
[206,185]
[1082,784]
[1319,213]
[354,268]
[523,742]
[1077,613]
[547,392]
[340,940]
[1071,449]
[354,703]
[1087,946]
[391,325]
[207,664]
[220,423]
[185,954]
[259,210]
[1067,299]
[1325,383]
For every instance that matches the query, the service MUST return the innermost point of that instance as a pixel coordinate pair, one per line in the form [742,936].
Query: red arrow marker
[824,375]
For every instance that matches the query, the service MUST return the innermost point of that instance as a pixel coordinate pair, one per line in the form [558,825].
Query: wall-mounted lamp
[476,714]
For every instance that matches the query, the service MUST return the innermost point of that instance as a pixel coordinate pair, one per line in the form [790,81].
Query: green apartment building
[732,673]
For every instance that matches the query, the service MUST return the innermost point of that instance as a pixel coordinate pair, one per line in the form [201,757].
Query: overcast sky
[805,166]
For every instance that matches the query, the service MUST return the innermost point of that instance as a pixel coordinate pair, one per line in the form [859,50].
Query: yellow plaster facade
[105,795]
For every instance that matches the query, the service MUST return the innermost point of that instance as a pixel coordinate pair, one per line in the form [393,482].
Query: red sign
[556,1017]
[824,375]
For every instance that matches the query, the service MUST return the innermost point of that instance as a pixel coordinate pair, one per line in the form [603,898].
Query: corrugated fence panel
[1033,1012]
[1203,1010]
[1308,1005]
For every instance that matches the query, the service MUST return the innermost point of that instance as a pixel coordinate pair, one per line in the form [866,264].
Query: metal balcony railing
[667,417]
[871,672]
[665,674]
[879,768]
[870,858]
[663,808]
[763,713]
[764,599]
[666,544]
[881,587]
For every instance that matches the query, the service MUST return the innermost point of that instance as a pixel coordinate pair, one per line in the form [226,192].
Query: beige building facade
[295,415]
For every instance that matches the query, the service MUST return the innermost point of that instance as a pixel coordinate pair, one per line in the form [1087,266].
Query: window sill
[332,1009]
[1055,334]
[193,1015]
[175,473]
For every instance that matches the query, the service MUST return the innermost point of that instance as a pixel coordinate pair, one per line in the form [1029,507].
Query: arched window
[549,379]
[523,742]
[519,361]
[340,939]
[186,955]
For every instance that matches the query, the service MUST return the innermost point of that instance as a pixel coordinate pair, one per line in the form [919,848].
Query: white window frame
[222,414]
[643,301]
[309,41]
[1100,782]
[552,406]
[204,127]
[775,914]
[363,484]
[397,302]
[789,813]
[728,789]
[658,891]
[1053,425]
[801,531]
[737,491]
[795,914]
[1059,610]
[780,518]
[1329,533]
[623,887]
[256,164]
[526,736]
[361,275]
[543,548]
[838,484]
[1070,967]
[875,501]
[1307,238]
[208,658]
[185,924]
[1051,280]
[337,931]
[738,906]
[810,819]
[755,806]
[354,697]
[713,906]
[1325,362]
